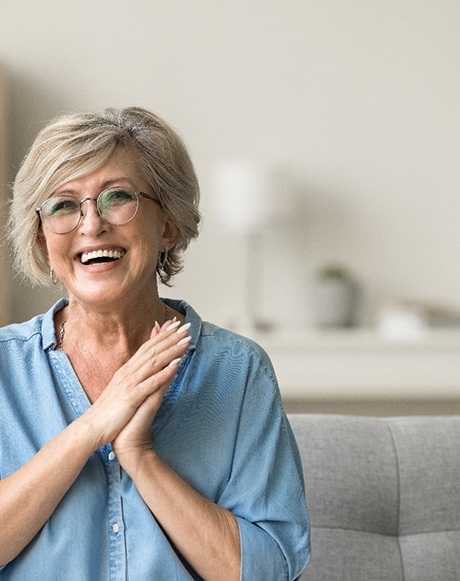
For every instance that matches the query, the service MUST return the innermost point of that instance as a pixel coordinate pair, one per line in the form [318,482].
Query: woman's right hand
[150,370]
[30,495]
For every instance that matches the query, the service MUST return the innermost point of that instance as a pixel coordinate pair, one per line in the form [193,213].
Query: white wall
[359,99]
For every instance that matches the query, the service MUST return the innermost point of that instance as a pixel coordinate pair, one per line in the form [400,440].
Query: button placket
[117,545]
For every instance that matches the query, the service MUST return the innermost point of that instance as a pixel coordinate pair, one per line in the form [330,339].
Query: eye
[115,198]
[60,206]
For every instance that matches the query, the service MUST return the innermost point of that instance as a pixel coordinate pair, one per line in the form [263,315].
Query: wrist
[85,433]
[137,460]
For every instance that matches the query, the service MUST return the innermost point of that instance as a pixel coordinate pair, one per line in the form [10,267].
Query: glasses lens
[60,214]
[117,206]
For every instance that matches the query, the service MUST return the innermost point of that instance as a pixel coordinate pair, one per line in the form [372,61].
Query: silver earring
[53,277]
[162,260]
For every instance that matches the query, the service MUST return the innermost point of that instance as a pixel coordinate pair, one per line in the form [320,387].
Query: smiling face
[110,266]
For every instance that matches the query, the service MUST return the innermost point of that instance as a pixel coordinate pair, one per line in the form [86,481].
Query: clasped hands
[124,412]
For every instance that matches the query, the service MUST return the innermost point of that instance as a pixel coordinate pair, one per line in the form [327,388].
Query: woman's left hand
[205,534]
[135,438]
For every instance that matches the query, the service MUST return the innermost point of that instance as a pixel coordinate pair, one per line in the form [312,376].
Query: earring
[53,277]
[162,260]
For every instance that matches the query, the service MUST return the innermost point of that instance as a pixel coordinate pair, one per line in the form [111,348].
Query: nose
[90,220]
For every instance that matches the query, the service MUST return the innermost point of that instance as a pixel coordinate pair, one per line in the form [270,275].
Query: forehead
[122,167]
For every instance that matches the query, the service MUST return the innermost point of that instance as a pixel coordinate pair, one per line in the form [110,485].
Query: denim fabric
[221,427]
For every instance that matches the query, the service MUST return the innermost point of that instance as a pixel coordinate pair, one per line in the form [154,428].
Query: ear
[41,241]
[169,235]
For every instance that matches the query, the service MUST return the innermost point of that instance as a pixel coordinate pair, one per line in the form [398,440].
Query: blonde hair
[74,145]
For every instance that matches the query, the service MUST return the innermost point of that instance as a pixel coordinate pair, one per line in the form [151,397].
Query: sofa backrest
[383,496]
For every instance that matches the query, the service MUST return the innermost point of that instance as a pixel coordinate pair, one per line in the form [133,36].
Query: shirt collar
[48,332]
[191,316]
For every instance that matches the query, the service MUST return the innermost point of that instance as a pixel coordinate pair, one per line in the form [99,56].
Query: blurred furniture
[383,497]
[357,371]
[250,196]
[4,266]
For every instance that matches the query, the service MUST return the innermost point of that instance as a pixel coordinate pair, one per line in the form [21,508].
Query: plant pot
[333,302]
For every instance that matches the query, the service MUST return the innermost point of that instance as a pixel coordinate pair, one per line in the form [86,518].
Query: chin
[100,296]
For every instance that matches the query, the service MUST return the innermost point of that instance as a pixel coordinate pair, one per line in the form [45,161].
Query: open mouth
[98,256]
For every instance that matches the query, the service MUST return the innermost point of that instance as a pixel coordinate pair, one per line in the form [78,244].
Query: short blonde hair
[74,145]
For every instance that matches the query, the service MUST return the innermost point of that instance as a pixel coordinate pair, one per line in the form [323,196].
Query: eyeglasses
[116,206]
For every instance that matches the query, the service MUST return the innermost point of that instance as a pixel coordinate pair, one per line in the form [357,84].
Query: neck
[124,329]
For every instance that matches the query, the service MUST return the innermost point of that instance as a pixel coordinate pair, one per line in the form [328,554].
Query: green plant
[333,271]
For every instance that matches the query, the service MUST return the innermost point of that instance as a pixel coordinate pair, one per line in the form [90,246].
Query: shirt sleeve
[266,489]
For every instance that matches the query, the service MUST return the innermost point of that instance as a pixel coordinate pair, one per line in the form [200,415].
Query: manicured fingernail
[185,340]
[184,328]
[175,362]
[173,326]
[157,325]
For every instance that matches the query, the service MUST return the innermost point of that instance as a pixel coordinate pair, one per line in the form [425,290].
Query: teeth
[87,256]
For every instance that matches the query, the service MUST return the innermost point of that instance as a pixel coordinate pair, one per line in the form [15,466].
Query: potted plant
[333,296]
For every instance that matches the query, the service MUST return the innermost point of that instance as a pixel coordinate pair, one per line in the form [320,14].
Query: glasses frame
[81,202]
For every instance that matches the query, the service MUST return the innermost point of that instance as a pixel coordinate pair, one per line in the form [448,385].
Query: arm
[264,496]
[272,513]
[29,496]
[204,533]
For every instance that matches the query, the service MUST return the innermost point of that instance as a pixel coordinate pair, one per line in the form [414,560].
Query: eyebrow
[122,181]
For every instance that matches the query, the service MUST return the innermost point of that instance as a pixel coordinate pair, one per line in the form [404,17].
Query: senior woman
[136,441]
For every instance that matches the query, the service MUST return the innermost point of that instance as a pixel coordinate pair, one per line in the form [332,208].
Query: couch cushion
[383,496]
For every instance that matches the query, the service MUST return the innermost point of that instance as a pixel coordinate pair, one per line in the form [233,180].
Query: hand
[146,376]
[135,439]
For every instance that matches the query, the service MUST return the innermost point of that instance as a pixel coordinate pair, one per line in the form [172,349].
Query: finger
[156,329]
[155,354]
[166,338]
[156,358]
[170,322]
[165,355]
[159,382]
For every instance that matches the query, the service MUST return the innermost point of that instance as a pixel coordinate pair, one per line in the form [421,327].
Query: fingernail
[185,340]
[184,328]
[173,326]
[175,362]
[157,325]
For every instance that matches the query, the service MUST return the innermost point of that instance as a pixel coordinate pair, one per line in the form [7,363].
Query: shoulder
[220,338]
[214,339]
[21,346]
[218,351]
[21,332]
[39,330]
[239,352]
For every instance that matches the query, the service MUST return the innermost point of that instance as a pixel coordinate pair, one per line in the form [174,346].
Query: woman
[137,442]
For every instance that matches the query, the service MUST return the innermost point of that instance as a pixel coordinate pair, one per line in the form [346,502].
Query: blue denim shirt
[221,427]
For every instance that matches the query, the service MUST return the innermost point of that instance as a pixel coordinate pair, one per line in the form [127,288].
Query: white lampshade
[246,195]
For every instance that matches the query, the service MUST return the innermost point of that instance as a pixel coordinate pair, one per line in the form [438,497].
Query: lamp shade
[245,194]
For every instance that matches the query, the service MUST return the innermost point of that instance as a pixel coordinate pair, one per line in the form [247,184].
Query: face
[128,274]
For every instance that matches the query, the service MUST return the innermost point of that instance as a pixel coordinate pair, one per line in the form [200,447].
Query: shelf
[358,339]
[358,363]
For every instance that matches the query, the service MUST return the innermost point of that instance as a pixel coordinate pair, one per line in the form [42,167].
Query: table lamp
[247,199]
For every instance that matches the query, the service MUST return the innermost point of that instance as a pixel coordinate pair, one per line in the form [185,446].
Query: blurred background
[354,104]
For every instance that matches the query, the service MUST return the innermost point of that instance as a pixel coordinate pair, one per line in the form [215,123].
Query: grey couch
[383,496]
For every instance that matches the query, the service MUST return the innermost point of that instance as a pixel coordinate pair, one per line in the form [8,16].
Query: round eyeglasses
[117,206]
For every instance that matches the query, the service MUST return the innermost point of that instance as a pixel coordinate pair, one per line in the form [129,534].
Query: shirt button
[115,528]
[111,456]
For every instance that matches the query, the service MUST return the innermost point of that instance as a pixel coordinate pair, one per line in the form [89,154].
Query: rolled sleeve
[261,557]
[266,489]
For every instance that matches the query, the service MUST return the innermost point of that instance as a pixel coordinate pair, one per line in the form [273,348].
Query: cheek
[54,249]
[149,235]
